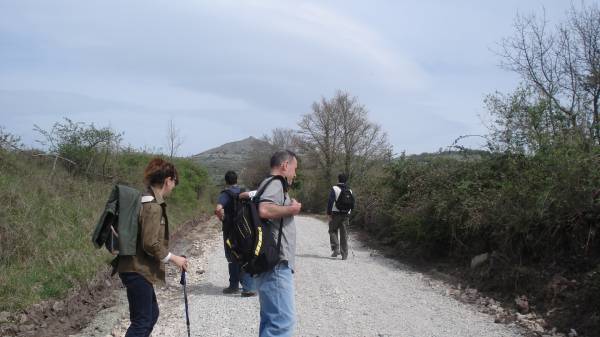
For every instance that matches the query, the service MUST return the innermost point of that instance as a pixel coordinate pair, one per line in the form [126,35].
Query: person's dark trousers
[339,223]
[143,307]
[234,268]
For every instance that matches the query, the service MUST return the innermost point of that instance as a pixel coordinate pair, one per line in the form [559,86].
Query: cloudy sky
[225,70]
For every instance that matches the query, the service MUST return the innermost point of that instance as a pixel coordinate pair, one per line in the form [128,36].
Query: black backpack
[345,201]
[233,208]
[248,237]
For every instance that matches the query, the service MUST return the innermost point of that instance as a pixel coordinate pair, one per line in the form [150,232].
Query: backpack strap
[285,186]
[280,229]
[284,183]
[230,193]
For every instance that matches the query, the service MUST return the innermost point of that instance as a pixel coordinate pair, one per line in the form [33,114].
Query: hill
[231,156]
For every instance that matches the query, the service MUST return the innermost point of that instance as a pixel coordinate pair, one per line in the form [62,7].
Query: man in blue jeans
[276,287]
[224,211]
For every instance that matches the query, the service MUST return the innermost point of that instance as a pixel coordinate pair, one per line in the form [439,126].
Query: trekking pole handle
[182,281]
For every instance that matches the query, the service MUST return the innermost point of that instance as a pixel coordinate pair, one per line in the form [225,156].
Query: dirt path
[367,295]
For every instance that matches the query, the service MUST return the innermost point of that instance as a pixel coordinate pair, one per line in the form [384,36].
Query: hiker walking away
[225,212]
[339,206]
[276,286]
[141,271]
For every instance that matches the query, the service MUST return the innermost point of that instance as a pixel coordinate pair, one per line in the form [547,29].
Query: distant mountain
[231,156]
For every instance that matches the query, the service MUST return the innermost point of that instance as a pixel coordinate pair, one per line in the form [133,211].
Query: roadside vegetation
[516,218]
[51,200]
[527,204]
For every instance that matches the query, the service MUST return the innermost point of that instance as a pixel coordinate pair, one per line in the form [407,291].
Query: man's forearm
[219,211]
[274,211]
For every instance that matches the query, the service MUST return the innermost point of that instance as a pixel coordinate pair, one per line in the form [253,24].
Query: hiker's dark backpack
[248,237]
[345,201]
[232,209]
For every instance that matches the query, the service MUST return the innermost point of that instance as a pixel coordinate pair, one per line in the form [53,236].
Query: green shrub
[525,207]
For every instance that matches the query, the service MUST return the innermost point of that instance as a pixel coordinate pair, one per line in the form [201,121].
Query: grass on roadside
[46,223]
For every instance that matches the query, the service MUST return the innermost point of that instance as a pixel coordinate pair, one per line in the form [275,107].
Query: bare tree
[563,65]
[339,134]
[287,139]
[255,168]
[174,139]
[362,141]
[321,135]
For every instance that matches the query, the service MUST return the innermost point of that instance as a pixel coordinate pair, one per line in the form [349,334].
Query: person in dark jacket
[140,272]
[224,211]
[338,220]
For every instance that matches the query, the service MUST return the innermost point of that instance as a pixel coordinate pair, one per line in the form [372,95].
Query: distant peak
[243,146]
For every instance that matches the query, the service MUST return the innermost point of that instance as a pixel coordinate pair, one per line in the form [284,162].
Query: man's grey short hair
[280,157]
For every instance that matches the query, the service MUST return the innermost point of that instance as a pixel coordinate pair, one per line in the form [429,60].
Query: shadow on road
[315,256]
[207,289]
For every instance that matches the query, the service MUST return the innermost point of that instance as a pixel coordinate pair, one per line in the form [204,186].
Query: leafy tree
[82,147]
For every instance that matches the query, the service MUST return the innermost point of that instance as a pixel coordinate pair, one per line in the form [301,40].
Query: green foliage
[537,215]
[47,216]
[371,191]
[192,196]
[311,190]
[45,226]
[524,207]
[82,148]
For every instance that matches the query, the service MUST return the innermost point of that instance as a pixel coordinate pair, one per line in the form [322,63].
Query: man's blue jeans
[276,298]
[143,308]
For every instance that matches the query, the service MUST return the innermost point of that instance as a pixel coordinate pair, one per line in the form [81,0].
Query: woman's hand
[180,262]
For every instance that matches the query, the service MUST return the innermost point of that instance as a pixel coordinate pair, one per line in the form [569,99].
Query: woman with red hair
[140,272]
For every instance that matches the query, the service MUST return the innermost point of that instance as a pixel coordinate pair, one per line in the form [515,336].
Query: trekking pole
[187,315]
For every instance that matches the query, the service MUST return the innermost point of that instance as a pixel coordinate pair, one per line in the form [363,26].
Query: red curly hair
[158,170]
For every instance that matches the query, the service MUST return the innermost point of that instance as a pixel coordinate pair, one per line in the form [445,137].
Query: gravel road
[366,295]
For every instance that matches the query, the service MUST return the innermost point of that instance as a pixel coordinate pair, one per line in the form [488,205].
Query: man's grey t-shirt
[274,193]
